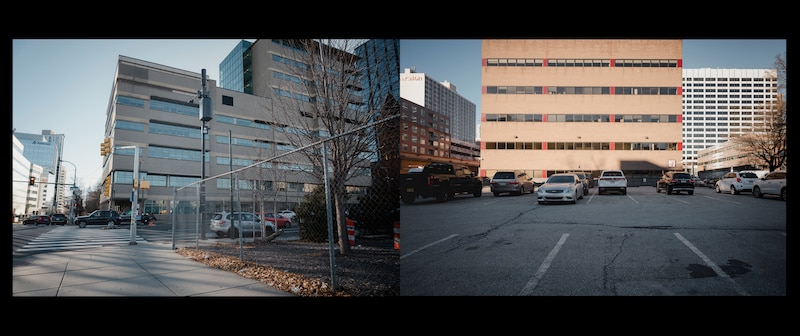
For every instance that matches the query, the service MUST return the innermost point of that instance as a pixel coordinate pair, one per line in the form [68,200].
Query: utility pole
[206,112]
[73,190]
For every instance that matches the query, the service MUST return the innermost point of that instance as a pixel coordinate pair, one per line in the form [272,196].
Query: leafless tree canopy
[767,145]
[323,97]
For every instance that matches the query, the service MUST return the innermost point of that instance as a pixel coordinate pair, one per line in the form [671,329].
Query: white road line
[711,264]
[631,197]
[427,246]
[719,199]
[528,290]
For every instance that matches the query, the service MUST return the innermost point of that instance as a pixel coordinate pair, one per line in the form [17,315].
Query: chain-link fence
[276,203]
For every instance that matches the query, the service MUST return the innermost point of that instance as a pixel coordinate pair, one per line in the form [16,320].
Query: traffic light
[32,181]
[105,147]
[107,187]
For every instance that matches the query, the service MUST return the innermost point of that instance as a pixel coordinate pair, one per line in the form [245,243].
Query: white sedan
[560,188]
[288,214]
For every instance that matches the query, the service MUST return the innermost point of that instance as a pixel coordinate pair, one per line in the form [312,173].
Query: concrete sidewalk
[143,269]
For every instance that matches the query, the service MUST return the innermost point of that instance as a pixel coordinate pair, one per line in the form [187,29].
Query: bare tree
[766,146]
[324,96]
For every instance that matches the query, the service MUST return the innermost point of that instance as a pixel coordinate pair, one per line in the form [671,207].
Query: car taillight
[513,182]
[738,179]
[430,180]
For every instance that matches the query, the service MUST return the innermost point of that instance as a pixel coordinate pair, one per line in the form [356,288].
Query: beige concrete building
[558,105]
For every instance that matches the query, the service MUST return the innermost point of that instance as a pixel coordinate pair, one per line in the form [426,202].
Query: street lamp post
[135,195]
[72,201]
[206,112]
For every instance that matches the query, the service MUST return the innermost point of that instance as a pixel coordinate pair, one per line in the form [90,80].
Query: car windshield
[561,179]
[504,175]
[682,176]
[612,173]
[749,175]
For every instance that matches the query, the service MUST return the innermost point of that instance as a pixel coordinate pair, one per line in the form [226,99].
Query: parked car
[612,180]
[675,182]
[773,183]
[125,218]
[560,187]
[288,214]
[280,221]
[587,181]
[736,182]
[99,217]
[248,222]
[511,182]
[58,219]
[36,220]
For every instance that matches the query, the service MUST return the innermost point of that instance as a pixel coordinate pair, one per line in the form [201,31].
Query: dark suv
[675,182]
[99,217]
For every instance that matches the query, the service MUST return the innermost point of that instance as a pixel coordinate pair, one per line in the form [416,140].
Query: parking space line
[631,197]
[427,246]
[719,199]
[712,265]
[531,285]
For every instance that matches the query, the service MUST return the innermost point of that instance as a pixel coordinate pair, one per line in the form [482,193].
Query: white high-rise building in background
[721,103]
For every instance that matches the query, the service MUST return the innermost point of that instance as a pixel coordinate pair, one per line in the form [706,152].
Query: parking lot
[642,243]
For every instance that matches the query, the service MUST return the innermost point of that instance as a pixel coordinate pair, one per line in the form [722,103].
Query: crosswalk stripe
[68,238]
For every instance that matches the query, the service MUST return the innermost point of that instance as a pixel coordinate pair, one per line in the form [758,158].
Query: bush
[313,217]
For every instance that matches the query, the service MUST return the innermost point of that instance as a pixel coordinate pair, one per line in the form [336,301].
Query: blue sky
[64,85]
[459,61]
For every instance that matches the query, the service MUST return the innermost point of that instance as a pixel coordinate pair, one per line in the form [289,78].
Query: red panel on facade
[611,118]
[544,145]
[680,146]
[544,173]
[483,172]
[483,117]
[613,63]
[483,62]
[483,89]
[544,64]
[680,118]
[611,146]
[544,118]
[680,91]
[611,90]
[483,144]
[680,63]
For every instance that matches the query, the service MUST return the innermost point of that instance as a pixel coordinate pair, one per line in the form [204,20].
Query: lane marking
[719,199]
[427,246]
[528,289]
[711,264]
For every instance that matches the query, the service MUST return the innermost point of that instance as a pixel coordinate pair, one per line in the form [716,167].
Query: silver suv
[511,182]
[248,222]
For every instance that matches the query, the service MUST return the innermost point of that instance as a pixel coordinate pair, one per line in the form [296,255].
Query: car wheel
[718,189]
[496,194]
[408,199]
[757,192]
[624,191]
[81,225]
[733,190]
[783,194]
[669,191]
[540,202]
[575,198]
[690,192]
[478,192]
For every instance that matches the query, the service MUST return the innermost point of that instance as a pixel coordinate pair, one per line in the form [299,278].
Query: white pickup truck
[612,180]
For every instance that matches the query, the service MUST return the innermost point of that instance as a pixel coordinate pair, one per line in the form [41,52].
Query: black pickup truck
[439,180]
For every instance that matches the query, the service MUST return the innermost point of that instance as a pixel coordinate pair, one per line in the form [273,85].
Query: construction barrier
[351,231]
[396,235]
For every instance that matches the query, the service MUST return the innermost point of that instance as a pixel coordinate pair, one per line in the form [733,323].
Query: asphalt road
[640,244]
